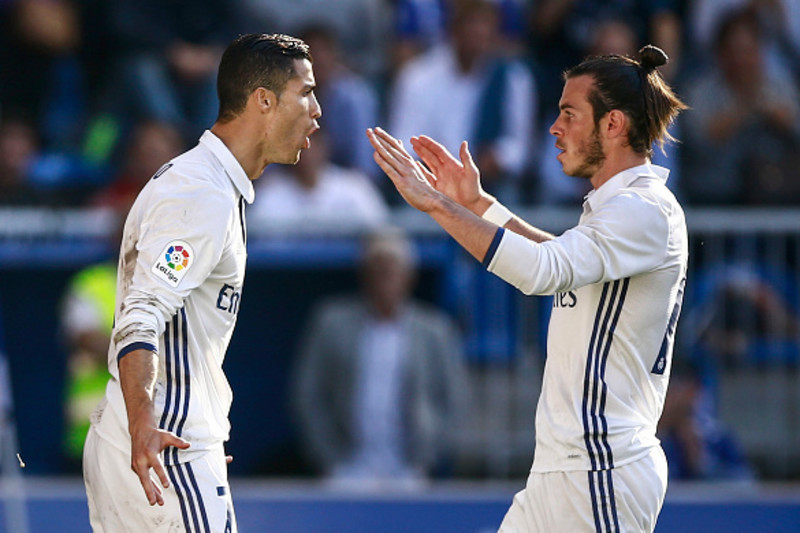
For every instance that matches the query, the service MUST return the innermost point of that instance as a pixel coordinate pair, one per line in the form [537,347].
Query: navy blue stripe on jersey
[602,376]
[498,236]
[184,344]
[177,376]
[136,346]
[168,367]
[169,414]
[595,392]
[587,377]
[594,410]
[669,336]
[241,219]
[200,503]
[181,497]
[176,401]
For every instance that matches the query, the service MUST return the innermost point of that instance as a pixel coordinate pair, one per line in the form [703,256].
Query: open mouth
[307,142]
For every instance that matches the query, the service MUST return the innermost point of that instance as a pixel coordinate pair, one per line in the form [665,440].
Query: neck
[242,140]
[613,165]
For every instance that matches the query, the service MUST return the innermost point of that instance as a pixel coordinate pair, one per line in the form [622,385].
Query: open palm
[459,180]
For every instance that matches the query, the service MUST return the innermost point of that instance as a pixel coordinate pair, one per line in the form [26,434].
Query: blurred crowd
[95,95]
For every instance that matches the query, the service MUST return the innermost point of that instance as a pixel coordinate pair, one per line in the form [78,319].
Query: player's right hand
[459,180]
[410,177]
[147,444]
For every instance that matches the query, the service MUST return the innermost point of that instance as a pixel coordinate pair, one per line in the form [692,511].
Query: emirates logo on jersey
[173,263]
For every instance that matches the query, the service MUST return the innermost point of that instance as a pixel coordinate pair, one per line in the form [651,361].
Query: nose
[316,109]
[555,128]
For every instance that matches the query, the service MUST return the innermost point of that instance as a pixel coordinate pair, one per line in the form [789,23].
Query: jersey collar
[599,196]
[232,167]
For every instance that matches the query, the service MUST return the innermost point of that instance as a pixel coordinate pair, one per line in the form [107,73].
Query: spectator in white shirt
[380,379]
[467,89]
[316,195]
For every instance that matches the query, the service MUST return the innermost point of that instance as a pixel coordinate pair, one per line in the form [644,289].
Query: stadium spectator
[380,380]
[361,26]
[780,19]
[167,58]
[698,446]
[421,24]
[19,148]
[741,318]
[151,144]
[41,74]
[743,134]
[316,195]
[467,89]
[86,318]
[560,32]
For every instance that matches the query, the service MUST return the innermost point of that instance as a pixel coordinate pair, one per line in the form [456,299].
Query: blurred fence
[739,331]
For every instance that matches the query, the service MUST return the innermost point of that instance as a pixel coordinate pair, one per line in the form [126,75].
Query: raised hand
[413,181]
[459,180]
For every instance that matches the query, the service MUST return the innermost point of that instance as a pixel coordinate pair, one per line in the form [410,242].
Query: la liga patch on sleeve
[173,263]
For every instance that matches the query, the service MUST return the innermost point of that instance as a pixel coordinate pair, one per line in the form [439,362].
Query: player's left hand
[147,443]
[412,180]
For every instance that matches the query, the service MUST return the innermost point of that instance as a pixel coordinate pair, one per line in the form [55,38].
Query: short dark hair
[638,90]
[252,61]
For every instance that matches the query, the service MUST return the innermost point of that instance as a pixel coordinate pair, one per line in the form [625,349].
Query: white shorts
[624,499]
[198,499]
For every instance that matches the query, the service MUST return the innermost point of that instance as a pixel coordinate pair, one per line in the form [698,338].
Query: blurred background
[382,380]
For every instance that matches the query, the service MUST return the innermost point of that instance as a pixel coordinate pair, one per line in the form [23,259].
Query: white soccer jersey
[179,285]
[617,280]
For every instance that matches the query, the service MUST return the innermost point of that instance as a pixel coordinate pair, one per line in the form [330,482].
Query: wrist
[497,213]
[483,203]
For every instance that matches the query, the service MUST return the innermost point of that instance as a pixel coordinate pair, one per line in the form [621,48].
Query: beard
[593,157]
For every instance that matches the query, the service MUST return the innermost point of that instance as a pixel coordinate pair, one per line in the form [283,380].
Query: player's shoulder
[196,178]
[646,195]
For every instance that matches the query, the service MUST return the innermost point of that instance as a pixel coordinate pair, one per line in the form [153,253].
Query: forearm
[137,373]
[472,232]
[514,223]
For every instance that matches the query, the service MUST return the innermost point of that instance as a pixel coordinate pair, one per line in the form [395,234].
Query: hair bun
[652,57]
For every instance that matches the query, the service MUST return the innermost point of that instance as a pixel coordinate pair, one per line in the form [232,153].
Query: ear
[263,99]
[616,124]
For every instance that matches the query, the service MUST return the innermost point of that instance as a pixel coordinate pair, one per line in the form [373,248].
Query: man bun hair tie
[651,57]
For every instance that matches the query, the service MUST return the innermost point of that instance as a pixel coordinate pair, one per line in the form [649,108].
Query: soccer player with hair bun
[617,279]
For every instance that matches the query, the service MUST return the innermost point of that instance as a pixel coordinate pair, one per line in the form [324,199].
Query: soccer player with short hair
[179,286]
[617,280]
